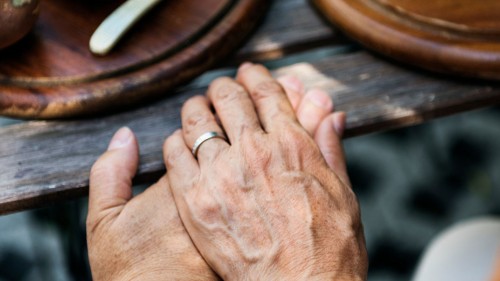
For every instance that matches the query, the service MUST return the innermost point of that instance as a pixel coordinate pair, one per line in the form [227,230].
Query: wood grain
[449,36]
[52,74]
[44,162]
[473,17]
[291,26]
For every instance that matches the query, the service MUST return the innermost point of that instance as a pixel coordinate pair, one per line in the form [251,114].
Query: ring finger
[197,120]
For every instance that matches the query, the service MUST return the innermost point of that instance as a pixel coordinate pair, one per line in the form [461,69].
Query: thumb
[111,177]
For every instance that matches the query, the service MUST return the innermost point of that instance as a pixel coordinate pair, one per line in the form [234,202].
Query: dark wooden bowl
[52,74]
[450,36]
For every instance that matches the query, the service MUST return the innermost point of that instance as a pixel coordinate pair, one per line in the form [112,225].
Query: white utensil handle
[118,23]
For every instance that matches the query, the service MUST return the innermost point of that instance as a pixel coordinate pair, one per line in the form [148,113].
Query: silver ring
[203,138]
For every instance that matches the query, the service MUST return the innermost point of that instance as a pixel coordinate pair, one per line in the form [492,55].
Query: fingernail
[292,83]
[320,99]
[122,138]
[245,66]
[339,119]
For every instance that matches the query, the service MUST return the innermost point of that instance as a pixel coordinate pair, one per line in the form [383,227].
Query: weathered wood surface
[449,36]
[43,162]
[46,161]
[290,26]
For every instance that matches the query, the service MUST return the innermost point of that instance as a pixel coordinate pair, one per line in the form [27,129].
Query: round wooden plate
[52,74]
[450,36]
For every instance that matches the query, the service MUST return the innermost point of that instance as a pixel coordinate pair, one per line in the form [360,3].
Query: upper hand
[143,237]
[267,205]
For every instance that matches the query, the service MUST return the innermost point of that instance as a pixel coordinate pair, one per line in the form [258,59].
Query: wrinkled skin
[142,237]
[265,205]
[139,238]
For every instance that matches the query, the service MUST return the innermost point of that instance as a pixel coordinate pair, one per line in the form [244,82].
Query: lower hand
[136,238]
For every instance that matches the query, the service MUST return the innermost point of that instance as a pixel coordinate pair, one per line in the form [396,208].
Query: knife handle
[117,24]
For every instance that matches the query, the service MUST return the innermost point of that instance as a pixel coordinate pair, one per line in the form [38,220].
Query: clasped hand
[272,202]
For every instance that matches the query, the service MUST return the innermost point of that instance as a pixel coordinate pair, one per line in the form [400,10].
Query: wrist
[155,275]
[336,277]
[163,272]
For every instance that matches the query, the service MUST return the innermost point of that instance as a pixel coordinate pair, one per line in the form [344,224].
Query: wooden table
[49,161]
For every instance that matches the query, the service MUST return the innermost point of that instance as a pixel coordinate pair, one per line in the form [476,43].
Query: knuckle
[192,103]
[220,82]
[170,142]
[93,224]
[267,89]
[207,210]
[354,208]
[225,90]
[105,168]
[210,211]
[198,119]
[349,211]
[257,157]
[193,100]
[297,139]
[350,224]
[100,168]
[173,156]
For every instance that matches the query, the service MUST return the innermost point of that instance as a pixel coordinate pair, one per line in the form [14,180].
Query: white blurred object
[465,252]
[118,23]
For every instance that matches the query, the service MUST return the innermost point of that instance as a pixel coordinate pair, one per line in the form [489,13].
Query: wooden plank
[290,26]
[379,95]
[42,162]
